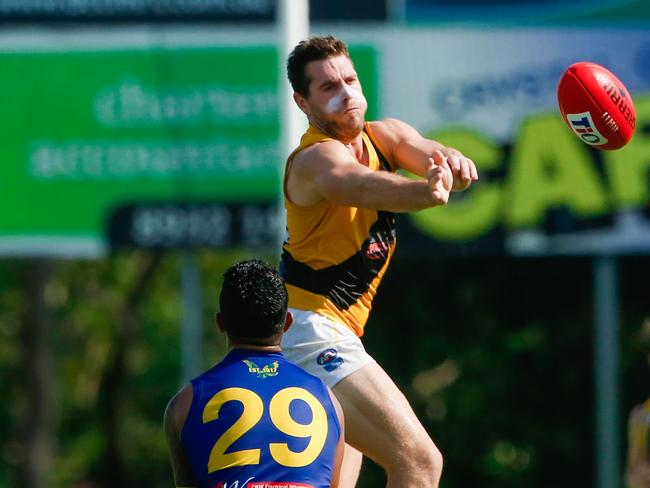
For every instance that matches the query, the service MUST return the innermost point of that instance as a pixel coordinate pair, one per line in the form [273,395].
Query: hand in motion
[462,168]
[440,178]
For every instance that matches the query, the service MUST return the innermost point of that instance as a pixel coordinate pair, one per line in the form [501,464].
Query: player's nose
[346,91]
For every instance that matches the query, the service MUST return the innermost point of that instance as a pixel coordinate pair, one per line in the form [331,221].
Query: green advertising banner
[89,132]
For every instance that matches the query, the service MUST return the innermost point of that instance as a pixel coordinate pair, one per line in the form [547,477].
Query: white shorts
[324,348]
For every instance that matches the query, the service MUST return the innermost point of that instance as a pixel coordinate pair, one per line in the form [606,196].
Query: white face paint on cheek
[338,101]
[334,103]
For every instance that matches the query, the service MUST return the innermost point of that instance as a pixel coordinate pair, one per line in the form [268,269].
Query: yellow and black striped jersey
[335,256]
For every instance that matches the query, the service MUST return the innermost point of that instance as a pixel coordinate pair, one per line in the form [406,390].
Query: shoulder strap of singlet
[383,160]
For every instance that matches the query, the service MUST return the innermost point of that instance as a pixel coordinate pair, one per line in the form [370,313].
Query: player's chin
[352,125]
[351,118]
[359,120]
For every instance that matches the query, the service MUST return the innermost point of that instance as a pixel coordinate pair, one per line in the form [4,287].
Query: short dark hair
[312,49]
[253,300]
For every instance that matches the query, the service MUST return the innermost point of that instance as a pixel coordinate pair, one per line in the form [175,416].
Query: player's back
[256,421]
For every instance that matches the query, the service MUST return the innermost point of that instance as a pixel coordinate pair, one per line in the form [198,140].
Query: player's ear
[301,101]
[218,319]
[288,321]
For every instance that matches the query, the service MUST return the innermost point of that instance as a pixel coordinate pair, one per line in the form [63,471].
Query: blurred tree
[37,421]
[494,354]
[112,387]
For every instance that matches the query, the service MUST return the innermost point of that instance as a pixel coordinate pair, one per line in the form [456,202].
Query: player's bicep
[405,146]
[336,176]
[414,152]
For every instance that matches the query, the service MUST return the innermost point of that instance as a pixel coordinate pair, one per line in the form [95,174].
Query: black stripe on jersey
[383,162]
[344,283]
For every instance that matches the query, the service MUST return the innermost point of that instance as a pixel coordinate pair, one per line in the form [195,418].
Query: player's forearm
[413,154]
[388,191]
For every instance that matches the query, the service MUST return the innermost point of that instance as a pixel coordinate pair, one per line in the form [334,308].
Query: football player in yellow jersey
[341,192]
[637,471]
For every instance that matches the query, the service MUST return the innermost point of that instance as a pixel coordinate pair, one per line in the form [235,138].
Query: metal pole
[606,369]
[293,26]
[191,328]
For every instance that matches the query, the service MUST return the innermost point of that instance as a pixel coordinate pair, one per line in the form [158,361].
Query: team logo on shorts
[584,127]
[329,359]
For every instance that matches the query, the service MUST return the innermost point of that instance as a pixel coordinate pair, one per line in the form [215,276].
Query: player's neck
[357,149]
[257,348]
[347,137]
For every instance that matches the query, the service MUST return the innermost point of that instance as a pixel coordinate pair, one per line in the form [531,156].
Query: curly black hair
[253,300]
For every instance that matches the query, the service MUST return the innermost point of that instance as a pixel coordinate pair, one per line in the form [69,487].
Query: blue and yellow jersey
[258,420]
[335,256]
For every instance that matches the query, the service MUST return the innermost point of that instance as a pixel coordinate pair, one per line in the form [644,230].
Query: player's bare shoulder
[177,410]
[386,129]
[308,167]
[388,133]
[313,157]
[391,126]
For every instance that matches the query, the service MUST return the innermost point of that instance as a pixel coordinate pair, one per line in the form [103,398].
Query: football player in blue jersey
[254,420]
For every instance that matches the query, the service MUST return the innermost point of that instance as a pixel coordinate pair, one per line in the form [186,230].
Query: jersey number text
[280,415]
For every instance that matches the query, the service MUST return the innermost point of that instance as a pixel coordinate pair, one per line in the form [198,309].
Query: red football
[596,106]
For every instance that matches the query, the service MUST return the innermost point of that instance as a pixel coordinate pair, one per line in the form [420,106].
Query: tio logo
[584,127]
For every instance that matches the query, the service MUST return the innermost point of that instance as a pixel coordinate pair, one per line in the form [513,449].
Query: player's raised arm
[407,149]
[328,171]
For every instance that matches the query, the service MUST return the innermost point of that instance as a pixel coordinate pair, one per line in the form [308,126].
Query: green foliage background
[495,355]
